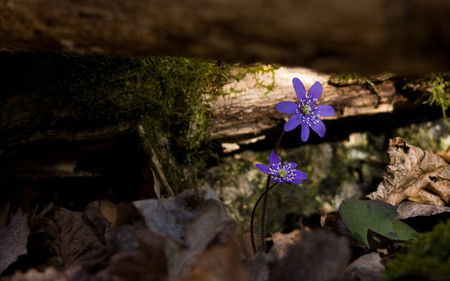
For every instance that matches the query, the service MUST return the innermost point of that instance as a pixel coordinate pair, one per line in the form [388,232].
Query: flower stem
[253,215]
[279,142]
[264,206]
[263,215]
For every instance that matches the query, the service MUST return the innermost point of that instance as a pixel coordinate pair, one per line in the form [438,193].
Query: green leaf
[374,222]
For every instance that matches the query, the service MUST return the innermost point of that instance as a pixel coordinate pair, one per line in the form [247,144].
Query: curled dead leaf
[366,267]
[282,242]
[259,266]
[85,239]
[220,263]
[51,274]
[13,239]
[414,175]
[149,263]
[445,155]
[43,242]
[318,256]
[171,215]
[211,227]
[188,225]
[413,209]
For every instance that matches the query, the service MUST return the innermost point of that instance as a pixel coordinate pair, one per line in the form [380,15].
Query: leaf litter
[414,175]
[13,239]
[190,236]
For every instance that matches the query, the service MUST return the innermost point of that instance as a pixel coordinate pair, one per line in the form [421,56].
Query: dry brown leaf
[43,242]
[191,222]
[13,240]
[210,227]
[414,175]
[220,263]
[131,266]
[128,221]
[282,242]
[84,236]
[149,263]
[408,209]
[445,155]
[51,274]
[124,236]
[258,266]
[109,211]
[366,267]
[171,215]
[318,256]
[247,246]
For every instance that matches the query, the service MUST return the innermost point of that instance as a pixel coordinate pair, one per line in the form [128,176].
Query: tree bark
[405,37]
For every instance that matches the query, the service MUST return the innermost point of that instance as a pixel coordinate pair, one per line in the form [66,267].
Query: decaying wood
[406,37]
[58,152]
[250,113]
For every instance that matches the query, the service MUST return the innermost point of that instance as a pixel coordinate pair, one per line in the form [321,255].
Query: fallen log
[249,112]
[108,153]
[406,37]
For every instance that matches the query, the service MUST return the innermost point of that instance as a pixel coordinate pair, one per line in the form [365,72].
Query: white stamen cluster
[306,112]
[282,173]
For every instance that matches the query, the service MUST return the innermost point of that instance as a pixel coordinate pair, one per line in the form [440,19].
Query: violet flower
[282,173]
[305,113]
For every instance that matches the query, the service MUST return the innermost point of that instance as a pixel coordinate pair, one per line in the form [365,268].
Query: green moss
[177,127]
[345,79]
[258,72]
[168,98]
[429,256]
[437,86]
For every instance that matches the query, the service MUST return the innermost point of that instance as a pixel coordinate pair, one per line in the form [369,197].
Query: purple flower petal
[290,166]
[292,123]
[319,127]
[295,180]
[286,107]
[314,93]
[305,132]
[274,159]
[324,110]
[262,168]
[299,176]
[299,89]
[277,179]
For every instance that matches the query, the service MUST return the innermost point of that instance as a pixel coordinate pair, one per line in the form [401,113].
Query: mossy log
[246,113]
[250,111]
[406,37]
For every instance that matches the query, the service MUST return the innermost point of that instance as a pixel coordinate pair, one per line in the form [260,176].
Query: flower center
[306,109]
[282,173]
